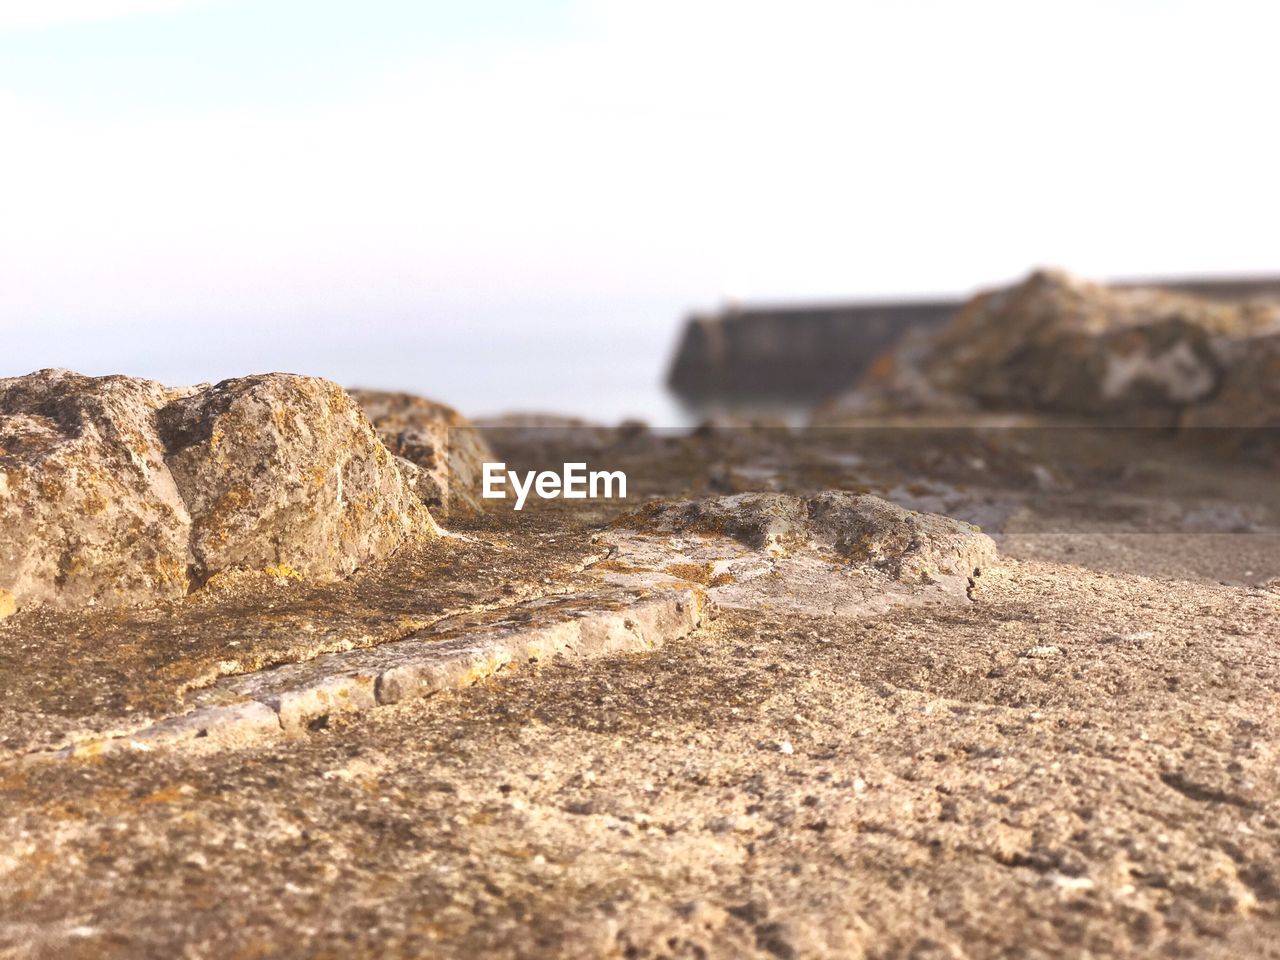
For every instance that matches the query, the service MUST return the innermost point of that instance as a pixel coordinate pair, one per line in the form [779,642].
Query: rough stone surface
[845,752]
[1246,410]
[446,449]
[116,491]
[1058,344]
[73,676]
[861,529]
[283,471]
[778,786]
[89,512]
[454,653]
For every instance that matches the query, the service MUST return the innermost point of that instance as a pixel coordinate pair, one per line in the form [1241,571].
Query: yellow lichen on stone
[94,502]
[170,572]
[8,606]
[339,402]
[283,571]
[692,572]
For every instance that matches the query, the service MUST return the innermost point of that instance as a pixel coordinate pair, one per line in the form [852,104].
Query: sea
[593,370]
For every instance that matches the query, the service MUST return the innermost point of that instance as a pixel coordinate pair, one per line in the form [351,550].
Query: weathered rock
[443,453]
[115,490]
[771,522]
[778,785]
[1246,410]
[1061,756]
[1061,345]
[89,512]
[860,529]
[1250,394]
[284,471]
[902,543]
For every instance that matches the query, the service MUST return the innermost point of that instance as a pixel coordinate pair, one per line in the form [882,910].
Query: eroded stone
[89,512]
[115,490]
[1246,410]
[1058,344]
[283,471]
[861,529]
[442,452]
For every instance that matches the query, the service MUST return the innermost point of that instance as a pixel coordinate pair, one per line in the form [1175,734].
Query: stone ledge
[454,654]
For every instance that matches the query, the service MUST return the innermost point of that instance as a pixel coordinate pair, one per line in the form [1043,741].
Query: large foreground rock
[115,490]
[1057,344]
[446,450]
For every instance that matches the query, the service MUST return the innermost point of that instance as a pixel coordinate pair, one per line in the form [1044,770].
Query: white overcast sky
[221,184]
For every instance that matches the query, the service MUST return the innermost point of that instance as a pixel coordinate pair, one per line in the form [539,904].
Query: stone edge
[410,669]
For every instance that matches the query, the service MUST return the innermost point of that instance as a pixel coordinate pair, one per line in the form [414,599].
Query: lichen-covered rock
[857,528]
[282,470]
[89,512]
[1057,344]
[115,490]
[442,453]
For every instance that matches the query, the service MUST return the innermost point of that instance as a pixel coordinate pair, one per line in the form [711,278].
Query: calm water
[598,371]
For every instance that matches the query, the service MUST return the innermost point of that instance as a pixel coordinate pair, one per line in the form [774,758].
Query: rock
[447,450]
[857,528]
[1065,345]
[1058,344]
[903,543]
[896,382]
[284,471]
[774,523]
[89,512]
[1246,410]
[115,490]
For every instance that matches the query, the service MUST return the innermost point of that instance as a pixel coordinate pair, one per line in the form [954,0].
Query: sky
[512,204]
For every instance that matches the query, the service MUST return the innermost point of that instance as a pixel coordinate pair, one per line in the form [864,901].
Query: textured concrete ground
[66,678]
[1077,764]
[1076,754]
